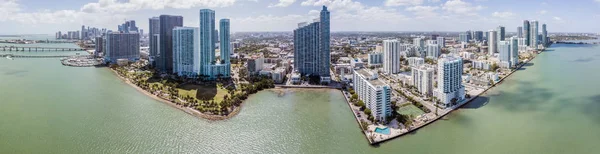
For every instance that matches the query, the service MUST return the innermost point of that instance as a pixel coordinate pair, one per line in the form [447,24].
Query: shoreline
[444,113]
[187,110]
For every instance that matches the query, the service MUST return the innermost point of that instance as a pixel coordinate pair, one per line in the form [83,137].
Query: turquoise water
[384,131]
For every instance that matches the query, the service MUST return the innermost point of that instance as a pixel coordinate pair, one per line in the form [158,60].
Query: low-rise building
[415,61]
[375,59]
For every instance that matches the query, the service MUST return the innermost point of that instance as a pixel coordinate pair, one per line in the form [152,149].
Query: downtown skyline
[40,17]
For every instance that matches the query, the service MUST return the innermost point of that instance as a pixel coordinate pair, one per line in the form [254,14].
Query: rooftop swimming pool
[384,131]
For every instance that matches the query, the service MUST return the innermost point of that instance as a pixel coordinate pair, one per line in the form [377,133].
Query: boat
[8,57]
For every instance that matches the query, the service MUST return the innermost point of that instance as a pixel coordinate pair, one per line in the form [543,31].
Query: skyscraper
[122,46]
[224,42]
[311,47]
[519,32]
[533,34]
[504,54]
[186,54]
[478,36]
[83,32]
[450,89]
[167,24]
[441,41]
[154,27]
[544,35]
[463,37]
[492,42]
[391,56]
[501,32]
[514,51]
[207,42]
[526,32]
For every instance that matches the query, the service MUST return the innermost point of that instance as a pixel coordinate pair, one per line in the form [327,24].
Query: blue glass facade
[311,46]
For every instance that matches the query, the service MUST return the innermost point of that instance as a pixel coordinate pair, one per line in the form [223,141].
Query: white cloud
[403,2]
[134,5]
[542,12]
[557,18]
[423,11]
[504,15]
[460,7]
[283,3]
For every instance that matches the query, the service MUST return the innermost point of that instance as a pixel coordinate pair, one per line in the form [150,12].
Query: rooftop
[377,82]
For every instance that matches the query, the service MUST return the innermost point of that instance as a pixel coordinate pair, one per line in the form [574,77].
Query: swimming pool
[384,131]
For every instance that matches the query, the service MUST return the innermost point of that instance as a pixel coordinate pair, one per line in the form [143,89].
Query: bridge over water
[38,49]
[34,56]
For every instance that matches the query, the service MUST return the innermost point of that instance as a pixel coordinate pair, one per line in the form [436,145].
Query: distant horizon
[48,17]
[595,33]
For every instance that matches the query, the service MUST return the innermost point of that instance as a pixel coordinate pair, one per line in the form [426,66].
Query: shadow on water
[592,107]
[529,98]
[526,65]
[582,60]
[15,72]
[477,103]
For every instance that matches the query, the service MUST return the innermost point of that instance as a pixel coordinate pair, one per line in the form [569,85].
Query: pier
[38,49]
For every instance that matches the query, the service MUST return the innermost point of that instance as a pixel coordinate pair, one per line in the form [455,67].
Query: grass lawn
[203,92]
[200,92]
[410,110]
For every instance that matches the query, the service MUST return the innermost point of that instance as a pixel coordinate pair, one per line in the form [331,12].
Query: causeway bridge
[38,49]
[34,56]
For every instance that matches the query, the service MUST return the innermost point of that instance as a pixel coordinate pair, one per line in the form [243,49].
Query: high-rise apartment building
[478,36]
[501,32]
[450,89]
[154,27]
[374,93]
[519,32]
[533,34]
[186,54]
[311,47]
[526,32]
[391,56]
[463,38]
[544,35]
[167,24]
[441,41]
[122,46]
[492,42]
[207,42]
[224,42]
[419,42]
[433,51]
[423,80]
[504,54]
[514,51]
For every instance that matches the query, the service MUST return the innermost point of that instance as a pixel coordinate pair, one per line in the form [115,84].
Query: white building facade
[423,80]
[391,56]
[450,89]
[186,51]
[374,93]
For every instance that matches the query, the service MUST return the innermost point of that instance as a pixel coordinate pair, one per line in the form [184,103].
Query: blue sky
[48,16]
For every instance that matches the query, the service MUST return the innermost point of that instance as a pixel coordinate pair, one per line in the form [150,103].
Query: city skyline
[40,17]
